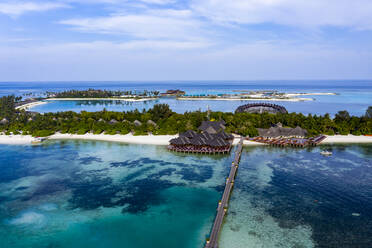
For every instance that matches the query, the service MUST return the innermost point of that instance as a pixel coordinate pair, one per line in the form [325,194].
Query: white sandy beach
[160,139]
[102,99]
[30,105]
[347,139]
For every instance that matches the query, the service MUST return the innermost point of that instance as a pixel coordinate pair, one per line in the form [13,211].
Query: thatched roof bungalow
[137,123]
[212,126]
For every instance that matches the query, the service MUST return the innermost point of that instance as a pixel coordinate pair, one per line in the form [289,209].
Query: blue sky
[185,40]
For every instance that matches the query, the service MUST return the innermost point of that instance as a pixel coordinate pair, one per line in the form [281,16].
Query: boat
[326,153]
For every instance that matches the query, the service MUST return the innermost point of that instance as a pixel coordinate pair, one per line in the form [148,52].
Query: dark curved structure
[259,108]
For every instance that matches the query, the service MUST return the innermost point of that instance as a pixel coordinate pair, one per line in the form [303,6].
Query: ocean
[353,96]
[101,194]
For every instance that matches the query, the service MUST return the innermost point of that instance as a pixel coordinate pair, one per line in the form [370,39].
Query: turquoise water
[101,194]
[353,95]
[97,194]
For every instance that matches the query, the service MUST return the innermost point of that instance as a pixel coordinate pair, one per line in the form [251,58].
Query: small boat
[326,153]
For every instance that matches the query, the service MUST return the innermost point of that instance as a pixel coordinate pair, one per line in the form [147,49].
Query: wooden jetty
[212,241]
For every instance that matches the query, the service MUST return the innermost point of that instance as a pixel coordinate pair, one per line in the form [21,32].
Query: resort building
[212,139]
[173,93]
[279,131]
[259,108]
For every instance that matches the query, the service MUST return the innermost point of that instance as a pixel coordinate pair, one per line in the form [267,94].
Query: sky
[152,40]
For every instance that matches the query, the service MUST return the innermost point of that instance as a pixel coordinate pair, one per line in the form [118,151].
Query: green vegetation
[162,120]
[93,93]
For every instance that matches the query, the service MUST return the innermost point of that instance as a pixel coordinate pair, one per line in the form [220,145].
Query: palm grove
[161,120]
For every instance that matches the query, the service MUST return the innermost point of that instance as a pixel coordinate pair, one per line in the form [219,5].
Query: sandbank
[160,139]
[16,139]
[128,138]
[245,99]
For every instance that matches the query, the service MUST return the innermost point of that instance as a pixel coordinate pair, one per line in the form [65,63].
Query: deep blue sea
[353,95]
[76,194]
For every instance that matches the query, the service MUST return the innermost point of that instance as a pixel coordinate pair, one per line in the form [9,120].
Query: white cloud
[156,24]
[15,8]
[128,61]
[304,13]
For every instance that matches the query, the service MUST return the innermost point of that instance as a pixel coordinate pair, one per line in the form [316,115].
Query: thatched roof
[152,123]
[180,141]
[278,131]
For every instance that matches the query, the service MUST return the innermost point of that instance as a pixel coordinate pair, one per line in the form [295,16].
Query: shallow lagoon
[101,194]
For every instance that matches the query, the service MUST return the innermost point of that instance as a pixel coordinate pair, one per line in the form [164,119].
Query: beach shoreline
[30,105]
[159,139]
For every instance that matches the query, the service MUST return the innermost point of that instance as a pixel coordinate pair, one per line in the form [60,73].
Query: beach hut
[189,134]
[137,123]
[212,127]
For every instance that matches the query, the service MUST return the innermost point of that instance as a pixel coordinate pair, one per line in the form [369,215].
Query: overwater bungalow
[261,108]
[211,140]
[137,123]
[173,93]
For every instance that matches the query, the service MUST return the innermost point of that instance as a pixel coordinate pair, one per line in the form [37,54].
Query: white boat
[326,153]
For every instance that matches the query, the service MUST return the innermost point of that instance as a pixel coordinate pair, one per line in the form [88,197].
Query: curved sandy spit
[102,99]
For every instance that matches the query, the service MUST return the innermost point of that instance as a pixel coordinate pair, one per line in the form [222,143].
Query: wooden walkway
[212,242]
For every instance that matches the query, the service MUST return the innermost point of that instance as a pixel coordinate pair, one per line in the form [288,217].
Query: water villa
[259,108]
[279,131]
[211,140]
[284,136]
[173,93]
[291,142]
